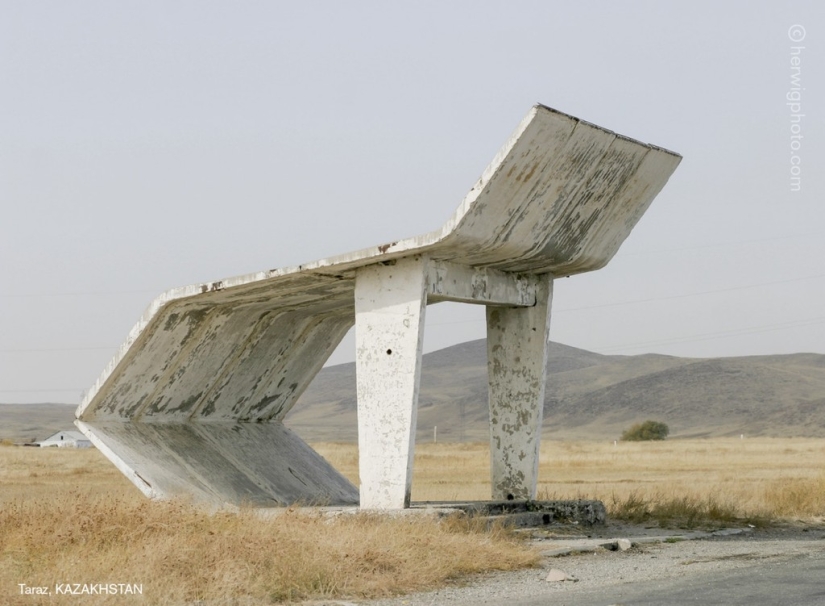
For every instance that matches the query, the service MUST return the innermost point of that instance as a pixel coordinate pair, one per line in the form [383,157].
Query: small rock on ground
[555,575]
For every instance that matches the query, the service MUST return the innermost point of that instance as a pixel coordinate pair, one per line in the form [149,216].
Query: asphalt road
[755,567]
[798,581]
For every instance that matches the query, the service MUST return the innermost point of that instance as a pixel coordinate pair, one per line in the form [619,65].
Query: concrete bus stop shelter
[193,402]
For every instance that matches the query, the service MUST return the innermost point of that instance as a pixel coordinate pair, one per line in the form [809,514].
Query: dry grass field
[70,517]
[723,478]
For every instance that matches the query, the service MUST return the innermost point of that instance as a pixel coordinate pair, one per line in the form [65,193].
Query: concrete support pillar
[517,343]
[389,325]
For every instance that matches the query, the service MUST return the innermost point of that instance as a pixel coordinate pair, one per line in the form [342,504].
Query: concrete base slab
[530,514]
[583,514]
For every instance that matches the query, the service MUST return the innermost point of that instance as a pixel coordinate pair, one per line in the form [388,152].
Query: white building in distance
[66,439]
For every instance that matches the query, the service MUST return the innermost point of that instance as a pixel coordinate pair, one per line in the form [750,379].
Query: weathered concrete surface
[482,285]
[558,199]
[257,464]
[517,342]
[389,327]
[390,301]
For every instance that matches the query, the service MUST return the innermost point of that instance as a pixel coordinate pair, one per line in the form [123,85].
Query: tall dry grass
[69,517]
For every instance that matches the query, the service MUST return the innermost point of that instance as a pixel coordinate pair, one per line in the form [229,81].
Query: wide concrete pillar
[390,300]
[517,344]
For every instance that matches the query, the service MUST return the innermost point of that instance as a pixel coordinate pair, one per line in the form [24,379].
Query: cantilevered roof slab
[559,198]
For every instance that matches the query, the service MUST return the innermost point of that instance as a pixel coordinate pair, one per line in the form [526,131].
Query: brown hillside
[595,396]
[30,422]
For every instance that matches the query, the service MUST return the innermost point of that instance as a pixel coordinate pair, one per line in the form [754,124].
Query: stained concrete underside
[194,399]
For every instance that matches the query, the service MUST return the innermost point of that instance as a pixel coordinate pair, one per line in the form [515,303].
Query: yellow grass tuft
[796,497]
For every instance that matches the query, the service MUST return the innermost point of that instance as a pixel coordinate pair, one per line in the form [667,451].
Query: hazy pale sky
[149,145]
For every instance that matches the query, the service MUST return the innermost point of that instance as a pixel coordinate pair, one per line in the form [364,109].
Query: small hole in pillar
[510,497]
[389,352]
[545,518]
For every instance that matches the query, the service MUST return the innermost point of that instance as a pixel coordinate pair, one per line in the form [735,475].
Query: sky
[150,145]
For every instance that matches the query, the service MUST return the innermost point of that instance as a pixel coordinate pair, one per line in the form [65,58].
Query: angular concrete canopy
[194,400]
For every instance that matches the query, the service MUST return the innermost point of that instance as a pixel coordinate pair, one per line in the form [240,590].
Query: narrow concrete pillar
[517,343]
[389,326]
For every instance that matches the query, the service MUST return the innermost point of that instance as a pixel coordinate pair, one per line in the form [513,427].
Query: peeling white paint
[211,361]
[517,345]
[481,285]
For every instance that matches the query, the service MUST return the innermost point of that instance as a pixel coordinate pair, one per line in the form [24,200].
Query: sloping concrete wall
[257,464]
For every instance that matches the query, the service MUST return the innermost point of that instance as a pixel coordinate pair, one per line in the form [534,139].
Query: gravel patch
[655,555]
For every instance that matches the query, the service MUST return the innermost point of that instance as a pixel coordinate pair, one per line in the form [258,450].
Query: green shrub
[649,430]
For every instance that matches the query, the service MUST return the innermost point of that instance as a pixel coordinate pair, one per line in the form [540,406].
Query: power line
[77,294]
[663,298]
[691,338]
[73,389]
[692,294]
[619,254]
[48,349]
[720,245]
[720,335]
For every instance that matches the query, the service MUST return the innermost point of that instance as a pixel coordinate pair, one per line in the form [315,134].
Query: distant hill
[30,422]
[588,395]
[591,395]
